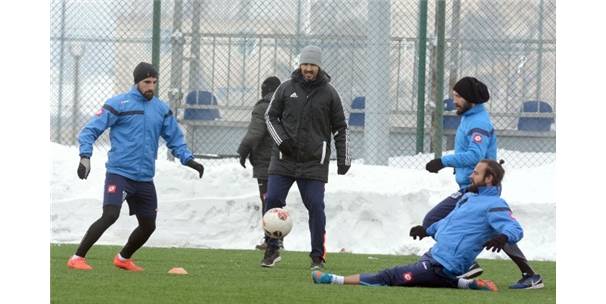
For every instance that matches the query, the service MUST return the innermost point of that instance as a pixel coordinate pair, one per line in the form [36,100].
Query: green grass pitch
[234,276]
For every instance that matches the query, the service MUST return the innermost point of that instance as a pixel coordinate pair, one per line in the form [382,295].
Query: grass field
[234,276]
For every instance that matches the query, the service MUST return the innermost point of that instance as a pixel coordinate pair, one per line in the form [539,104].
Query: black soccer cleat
[527,281]
[271,257]
[474,271]
[317,263]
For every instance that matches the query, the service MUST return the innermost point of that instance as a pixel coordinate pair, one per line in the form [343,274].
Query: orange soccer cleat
[481,284]
[127,264]
[78,263]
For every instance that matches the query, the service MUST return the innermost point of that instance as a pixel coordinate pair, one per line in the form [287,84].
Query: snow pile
[369,210]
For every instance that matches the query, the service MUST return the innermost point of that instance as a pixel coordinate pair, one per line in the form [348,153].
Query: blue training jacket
[136,125]
[475,140]
[477,218]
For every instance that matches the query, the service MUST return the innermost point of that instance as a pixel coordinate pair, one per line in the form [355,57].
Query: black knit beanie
[270,84]
[472,90]
[144,70]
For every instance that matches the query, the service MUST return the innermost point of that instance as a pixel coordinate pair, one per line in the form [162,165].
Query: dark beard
[466,107]
[148,95]
[473,188]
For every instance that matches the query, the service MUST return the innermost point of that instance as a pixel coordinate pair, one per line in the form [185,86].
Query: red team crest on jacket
[477,137]
[407,276]
[111,189]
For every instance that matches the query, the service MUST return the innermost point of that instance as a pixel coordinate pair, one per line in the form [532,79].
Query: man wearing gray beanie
[303,115]
[475,140]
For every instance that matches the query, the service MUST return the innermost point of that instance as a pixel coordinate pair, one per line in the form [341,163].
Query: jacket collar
[137,94]
[475,109]
[489,191]
[268,96]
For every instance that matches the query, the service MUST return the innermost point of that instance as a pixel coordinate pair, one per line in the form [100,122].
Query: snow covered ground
[369,210]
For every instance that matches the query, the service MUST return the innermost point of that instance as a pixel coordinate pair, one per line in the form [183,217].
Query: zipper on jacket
[323,151]
[280,154]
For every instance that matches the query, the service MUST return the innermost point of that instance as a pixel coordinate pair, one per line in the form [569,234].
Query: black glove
[434,165]
[196,166]
[418,231]
[244,153]
[287,147]
[84,167]
[497,243]
[342,169]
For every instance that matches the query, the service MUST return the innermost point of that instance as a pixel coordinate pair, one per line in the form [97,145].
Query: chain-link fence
[384,58]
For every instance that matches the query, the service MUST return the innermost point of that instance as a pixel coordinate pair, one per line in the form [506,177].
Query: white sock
[336,279]
[75,257]
[464,283]
[121,258]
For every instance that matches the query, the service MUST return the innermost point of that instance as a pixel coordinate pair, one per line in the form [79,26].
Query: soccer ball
[277,223]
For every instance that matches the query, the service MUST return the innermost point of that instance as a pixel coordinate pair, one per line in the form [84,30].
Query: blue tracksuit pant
[312,193]
[442,209]
[426,272]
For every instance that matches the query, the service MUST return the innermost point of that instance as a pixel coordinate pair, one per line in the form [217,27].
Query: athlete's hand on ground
[418,231]
[196,166]
[84,167]
[434,165]
[497,243]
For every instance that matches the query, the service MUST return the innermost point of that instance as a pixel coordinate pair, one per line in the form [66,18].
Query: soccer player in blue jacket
[480,219]
[136,119]
[475,139]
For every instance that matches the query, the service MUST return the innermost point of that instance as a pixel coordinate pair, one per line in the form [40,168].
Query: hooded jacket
[477,218]
[308,113]
[136,125]
[475,140]
[257,139]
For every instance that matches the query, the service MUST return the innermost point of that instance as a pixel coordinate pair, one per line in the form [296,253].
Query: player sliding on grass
[480,219]
[136,120]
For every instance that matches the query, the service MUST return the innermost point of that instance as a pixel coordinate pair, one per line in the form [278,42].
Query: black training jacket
[257,139]
[308,113]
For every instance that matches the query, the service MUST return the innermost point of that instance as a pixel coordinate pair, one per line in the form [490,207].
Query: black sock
[94,232]
[139,236]
[516,255]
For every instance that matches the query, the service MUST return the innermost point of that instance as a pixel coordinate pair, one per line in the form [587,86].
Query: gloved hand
[287,147]
[497,243]
[196,166]
[84,167]
[342,169]
[434,165]
[418,231]
[244,153]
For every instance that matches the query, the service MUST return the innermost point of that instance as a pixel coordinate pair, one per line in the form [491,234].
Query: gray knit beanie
[311,54]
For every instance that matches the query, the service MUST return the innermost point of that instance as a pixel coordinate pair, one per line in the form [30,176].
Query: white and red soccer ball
[277,223]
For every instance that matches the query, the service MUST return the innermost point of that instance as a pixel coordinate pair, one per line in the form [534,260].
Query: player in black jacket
[257,144]
[303,115]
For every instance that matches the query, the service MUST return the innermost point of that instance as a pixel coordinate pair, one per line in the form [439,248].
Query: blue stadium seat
[537,124]
[201,98]
[450,122]
[357,118]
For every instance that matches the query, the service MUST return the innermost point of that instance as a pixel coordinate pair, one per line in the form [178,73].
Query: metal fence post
[439,92]
[156,41]
[61,61]
[195,82]
[376,132]
[421,54]
[76,50]
[540,52]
